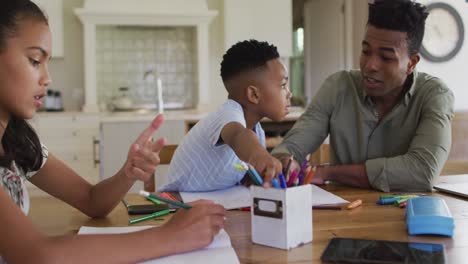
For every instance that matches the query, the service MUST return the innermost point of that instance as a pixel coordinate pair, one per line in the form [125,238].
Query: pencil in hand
[151,216]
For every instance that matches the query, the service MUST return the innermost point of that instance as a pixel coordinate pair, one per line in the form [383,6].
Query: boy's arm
[247,147]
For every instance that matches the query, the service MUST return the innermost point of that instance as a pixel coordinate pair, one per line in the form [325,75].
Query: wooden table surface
[369,221]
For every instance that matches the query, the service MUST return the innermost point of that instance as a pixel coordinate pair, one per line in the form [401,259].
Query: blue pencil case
[428,216]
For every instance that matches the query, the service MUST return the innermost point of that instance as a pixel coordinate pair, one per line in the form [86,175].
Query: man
[389,126]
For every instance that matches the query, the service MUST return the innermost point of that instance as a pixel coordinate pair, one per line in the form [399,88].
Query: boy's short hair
[400,15]
[245,56]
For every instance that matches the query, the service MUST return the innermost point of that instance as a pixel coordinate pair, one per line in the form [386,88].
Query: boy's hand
[266,165]
[143,156]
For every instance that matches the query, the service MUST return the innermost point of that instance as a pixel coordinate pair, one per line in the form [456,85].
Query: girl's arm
[190,229]
[62,182]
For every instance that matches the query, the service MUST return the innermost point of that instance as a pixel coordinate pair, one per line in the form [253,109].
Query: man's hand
[289,165]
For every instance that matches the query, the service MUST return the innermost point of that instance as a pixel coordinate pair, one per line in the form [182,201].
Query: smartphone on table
[350,250]
[136,209]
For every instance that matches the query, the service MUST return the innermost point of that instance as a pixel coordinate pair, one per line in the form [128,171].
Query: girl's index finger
[149,131]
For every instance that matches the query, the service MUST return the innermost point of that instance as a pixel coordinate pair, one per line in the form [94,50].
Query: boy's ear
[253,94]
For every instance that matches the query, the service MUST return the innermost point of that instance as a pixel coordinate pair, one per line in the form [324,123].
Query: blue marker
[387,200]
[256,175]
[282,181]
[275,183]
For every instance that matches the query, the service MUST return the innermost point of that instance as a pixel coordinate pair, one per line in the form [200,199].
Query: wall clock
[444,33]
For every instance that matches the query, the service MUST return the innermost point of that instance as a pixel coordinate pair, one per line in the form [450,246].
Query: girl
[25,49]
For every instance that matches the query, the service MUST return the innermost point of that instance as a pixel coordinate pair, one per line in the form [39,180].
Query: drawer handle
[96,160]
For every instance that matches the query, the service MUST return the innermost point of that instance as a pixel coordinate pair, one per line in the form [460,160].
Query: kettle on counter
[122,101]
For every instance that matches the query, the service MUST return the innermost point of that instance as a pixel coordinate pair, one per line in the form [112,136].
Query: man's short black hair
[246,55]
[400,15]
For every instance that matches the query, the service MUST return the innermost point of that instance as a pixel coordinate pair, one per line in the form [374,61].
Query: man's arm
[352,175]
[312,128]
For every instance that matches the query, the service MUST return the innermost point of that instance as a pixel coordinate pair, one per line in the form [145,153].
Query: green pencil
[151,216]
[153,200]
[154,196]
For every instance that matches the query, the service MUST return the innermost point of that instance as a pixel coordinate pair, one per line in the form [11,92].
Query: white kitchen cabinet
[54,11]
[72,138]
[117,136]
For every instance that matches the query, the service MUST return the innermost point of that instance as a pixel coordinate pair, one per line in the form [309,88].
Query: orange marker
[309,176]
[354,204]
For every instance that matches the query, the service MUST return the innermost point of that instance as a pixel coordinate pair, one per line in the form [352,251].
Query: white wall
[218,92]
[67,71]
[68,74]
[266,20]
[453,72]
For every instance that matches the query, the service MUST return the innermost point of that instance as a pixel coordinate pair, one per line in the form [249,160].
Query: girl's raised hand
[143,156]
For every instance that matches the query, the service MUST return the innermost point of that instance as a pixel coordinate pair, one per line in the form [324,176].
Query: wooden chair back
[165,157]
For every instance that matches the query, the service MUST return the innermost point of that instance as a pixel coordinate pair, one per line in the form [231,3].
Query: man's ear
[413,61]
[253,94]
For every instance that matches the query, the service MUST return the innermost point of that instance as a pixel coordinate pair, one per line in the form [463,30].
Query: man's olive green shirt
[406,150]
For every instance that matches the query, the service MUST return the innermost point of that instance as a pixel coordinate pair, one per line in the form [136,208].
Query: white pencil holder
[281,218]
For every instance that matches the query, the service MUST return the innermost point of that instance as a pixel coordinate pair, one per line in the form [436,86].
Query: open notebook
[219,251]
[239,196]
[453,184]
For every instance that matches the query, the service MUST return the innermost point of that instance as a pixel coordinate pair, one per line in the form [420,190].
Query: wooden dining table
[368,221]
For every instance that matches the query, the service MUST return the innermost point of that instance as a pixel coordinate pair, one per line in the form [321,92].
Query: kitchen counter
[190,115]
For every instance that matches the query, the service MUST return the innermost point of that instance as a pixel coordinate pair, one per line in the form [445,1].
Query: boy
[256,82]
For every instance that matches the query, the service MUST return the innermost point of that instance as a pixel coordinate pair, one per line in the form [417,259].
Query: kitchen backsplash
[125,53]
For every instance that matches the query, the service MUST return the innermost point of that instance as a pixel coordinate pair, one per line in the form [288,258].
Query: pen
[244,167]
[255,174]
[327,206]
[398,196]
[169,196]
[153,200]
[288,167]
[303,166]
[275,183]
[300,179]
[175,203]
[282,181]
[146,217]
[402,200]
[309,176]
[292,178]
[387,200]
[354,204]
[239,167]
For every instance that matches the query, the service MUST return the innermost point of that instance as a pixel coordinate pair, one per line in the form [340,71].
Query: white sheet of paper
[320,197]
[219,251]
[239,196]
[231,198]
[453,184]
